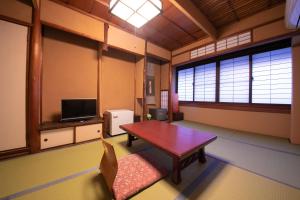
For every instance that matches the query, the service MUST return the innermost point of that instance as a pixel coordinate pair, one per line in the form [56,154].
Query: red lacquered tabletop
[176,140]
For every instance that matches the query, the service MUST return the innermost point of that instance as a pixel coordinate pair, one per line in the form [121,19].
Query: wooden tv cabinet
[54,134]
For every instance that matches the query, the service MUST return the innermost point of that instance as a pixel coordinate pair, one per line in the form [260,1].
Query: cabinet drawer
[88,132]
[57,137]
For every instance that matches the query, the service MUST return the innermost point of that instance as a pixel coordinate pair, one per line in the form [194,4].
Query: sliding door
[13,55]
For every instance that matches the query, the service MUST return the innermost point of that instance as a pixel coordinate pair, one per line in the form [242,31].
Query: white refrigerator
[117,118]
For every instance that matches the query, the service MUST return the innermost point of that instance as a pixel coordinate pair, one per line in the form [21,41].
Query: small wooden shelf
[56,125]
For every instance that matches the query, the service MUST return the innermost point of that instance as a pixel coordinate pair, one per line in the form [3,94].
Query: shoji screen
[234,80]
[13,53]
[185,84]
[272,77]
[205,82]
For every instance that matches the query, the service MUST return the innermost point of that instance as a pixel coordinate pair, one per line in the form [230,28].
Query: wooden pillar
[34,83]
[170,101]
[295,107]
[144,117]
[173,95]
[99,82]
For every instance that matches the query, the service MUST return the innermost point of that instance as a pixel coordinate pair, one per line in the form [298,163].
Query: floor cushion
[135,173]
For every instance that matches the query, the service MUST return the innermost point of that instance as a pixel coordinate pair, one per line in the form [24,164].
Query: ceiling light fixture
[136,12]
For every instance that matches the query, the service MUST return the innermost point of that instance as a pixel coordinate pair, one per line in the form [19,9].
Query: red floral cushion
[136,172]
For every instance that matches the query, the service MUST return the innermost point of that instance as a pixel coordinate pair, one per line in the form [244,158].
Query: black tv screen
[77,109]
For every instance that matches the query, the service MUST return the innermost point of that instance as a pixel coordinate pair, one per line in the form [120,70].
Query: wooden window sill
[270,108]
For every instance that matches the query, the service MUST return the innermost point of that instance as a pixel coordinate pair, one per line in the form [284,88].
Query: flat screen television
[78,109]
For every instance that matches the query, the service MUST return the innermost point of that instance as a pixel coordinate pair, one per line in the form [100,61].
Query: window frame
[256,107]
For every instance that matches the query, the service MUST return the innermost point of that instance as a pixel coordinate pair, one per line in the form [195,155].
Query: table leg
[201,155]
[176,175]
[130,139]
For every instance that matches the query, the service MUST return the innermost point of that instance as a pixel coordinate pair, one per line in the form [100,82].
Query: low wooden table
[184,145]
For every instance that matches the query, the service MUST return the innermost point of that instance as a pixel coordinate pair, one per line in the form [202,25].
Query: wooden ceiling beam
[103,2]
[195,15]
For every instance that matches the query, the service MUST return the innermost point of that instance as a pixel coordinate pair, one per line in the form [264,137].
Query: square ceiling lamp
[136,12]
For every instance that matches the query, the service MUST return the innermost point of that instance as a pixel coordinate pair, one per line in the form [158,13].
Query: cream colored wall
[16,10]
[69,70]
[118,69]
[295,114]
[274,124]
[13,57]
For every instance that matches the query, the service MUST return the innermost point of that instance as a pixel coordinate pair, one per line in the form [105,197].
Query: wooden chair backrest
[109,164]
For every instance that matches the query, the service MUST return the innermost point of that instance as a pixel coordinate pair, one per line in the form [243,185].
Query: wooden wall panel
[69,70]
[295,110]
[184,57]
[70,20]
[126,41]
[256,122]
[13,56]
[158,51]
[270,30]
[17,10]
[164,77]
[118,70]
[139,78]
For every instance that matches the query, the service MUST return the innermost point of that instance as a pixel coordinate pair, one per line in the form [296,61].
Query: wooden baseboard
[14,153]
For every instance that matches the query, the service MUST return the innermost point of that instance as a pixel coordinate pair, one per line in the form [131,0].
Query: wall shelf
[57,125]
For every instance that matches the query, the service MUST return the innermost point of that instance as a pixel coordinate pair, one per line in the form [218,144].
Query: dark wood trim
[217,82]
[250,78]
[170,101]
[270,108]
[74,134]
[194,83]
[235,52]
[144,117]
[34,83]
[16,21]
[57,125]
[134,88]
[240,48]
[105,44]
[99,59]
[27,85]
[156,57]
[14,153]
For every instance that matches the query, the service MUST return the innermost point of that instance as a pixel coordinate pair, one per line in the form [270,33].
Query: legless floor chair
[130,174]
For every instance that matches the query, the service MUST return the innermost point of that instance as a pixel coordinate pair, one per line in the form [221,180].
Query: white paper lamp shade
[136,12]
[137,20]
[122,11]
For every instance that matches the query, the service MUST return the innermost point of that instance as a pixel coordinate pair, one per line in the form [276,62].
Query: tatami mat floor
[71,173]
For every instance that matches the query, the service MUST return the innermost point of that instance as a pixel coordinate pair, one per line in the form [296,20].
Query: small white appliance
[117,118]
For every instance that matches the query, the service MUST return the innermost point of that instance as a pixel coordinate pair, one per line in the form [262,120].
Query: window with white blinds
[234,80]
[164,94]
[185,84]
[272,77]
[205,82]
